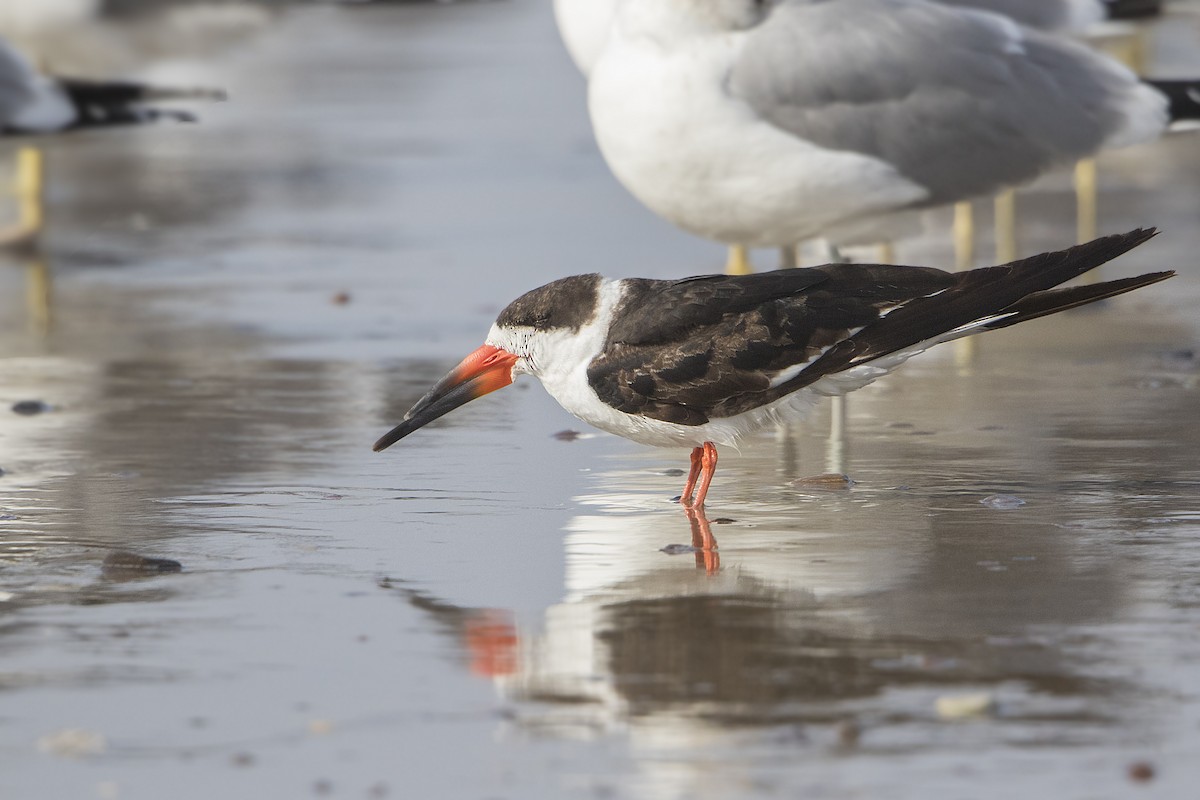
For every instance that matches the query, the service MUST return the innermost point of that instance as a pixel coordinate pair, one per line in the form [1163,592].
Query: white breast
[697,156]
[584,27]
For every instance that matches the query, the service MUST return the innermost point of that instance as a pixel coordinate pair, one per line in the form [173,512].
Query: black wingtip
[1059,266]
[1052,301]
[1105,247]
[1019,291]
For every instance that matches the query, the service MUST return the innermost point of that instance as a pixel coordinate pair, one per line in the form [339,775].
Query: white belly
[700,158]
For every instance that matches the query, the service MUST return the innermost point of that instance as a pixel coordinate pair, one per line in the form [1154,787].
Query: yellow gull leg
[964,236]
[964,259]
[1006,226]
[739,261]
[28,189]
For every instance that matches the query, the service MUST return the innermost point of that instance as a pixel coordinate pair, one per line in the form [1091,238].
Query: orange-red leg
[693,474]
[708,468]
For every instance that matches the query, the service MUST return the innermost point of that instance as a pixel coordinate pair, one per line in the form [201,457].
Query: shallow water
[487,610]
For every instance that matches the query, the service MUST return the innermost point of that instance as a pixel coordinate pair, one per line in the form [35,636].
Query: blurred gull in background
[767,126]
[120,36]
[34,103]
[584,24]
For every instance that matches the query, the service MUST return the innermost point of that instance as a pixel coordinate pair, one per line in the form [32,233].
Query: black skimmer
[707,360]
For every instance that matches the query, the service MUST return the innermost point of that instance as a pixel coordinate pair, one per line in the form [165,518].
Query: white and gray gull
[584,24]
[33,103]
[708,360]
[763,125]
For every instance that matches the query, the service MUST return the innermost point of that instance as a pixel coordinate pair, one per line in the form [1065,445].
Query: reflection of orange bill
[491,639]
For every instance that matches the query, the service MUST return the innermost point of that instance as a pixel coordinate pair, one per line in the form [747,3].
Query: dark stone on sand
[678,549]
[829,482]
[123,564]
[27,408]
[724,521]
[567,435]
[1141,772]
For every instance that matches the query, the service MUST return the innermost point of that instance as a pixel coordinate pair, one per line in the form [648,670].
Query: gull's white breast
[701,158]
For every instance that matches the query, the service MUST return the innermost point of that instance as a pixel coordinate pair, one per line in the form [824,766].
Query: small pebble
[341,298]
[1141,772]
[323,787]
[123,564]
[964,706]
[678,549]
[1185,354]
[567,435]
[242,759]
[28,408]
[830,481]
[1002,501]
[673,473]
[724,521]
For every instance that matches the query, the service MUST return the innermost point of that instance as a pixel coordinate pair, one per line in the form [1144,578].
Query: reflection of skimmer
[782,649]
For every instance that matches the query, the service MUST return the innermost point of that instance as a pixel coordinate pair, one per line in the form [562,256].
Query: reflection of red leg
[704,541]
[686,497]
[708,467]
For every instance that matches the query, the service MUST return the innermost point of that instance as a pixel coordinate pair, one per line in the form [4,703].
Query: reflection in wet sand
[856,618]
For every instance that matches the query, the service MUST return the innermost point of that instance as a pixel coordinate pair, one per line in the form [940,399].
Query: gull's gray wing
[961,102]
[1047,15]
[17,81]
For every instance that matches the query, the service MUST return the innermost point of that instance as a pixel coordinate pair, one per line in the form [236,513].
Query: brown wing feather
[687,351]
[704,348]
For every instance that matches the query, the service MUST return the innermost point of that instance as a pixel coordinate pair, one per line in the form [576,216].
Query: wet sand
[226,315]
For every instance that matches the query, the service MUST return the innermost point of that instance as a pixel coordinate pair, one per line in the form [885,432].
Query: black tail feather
[1021,291]
[107,103]
[1041,304]
[1133,9]
[1184,96]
